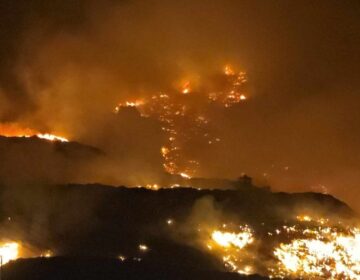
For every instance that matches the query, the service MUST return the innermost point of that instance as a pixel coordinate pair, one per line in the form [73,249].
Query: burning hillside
[15,130]
[247,231]
[184,116]
[181,102]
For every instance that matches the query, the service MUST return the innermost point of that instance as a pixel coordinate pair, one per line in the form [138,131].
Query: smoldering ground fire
[161,95]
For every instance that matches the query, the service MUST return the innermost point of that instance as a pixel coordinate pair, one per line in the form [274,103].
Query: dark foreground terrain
[106,269]
[94,226]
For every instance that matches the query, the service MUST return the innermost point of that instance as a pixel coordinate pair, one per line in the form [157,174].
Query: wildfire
[230,245]
[184,120]
[186,88]
[312,248]
[135,104]
[9,251]
[228,70]
[47,254]
[329,255]
[184,175]
[15,130]
[153,187]
[228,239]
[51,137]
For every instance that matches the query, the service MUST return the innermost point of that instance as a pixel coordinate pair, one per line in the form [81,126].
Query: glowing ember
[229,70]
[136,103]
[122,258]
[186,88]
[9,251]
[227,239]
[153,187]
[184,175]
[47,254]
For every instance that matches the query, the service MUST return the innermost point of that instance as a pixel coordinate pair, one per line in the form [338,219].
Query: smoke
[65,65]
[259,239]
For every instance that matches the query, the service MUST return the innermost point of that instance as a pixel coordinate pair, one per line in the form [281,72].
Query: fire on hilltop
[184,119]
[15,130]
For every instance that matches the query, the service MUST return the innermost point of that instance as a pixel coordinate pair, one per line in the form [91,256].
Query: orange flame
[15,130]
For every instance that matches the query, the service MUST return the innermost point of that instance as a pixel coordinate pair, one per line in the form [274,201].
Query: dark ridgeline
[71,268]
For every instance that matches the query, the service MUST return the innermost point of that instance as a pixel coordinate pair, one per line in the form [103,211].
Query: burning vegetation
[12,250]
[241,230]
[9,251]
[184,115]
[304,246]
[15,130]
[300,250]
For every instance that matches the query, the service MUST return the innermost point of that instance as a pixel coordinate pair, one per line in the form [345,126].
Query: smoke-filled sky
[65,65]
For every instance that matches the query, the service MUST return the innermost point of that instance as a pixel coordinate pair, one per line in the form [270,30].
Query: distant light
[143,247]
[153,187]
[47,254]
[122,258]
[247,270]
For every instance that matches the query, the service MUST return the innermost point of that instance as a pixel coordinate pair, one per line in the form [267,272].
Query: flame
[228,239]
[51,137]
[229,245]
[125,104]
[9,251]
[12,250]
[228,70]
[183,119]
[329,254]
[184,175]
[47,254]
[153,187]
[304,218]
[312,248]
[15,130]
[186,88]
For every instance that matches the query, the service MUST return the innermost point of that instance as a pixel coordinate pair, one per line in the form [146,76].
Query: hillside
[106,222]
